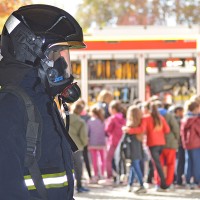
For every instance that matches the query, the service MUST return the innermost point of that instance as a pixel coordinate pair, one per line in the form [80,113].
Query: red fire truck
[137,62]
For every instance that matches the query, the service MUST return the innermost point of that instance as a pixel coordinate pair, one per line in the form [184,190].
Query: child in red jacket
[155,127]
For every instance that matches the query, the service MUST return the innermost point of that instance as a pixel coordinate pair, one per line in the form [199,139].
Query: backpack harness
[33,138]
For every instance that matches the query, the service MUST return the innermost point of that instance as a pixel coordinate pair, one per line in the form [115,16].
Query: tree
[137,12]
[134,12]
[109,12]
[8,6]
[93,11]
[191,12]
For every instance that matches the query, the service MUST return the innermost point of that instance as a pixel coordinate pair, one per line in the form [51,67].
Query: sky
[68,5]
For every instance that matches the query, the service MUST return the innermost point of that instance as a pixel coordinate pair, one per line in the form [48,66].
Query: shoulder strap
[33,138]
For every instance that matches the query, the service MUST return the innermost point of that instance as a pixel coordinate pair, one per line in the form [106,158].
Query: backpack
[33,138]
[126,146]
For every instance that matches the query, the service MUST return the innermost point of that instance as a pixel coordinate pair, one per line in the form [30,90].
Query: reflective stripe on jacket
[50,180]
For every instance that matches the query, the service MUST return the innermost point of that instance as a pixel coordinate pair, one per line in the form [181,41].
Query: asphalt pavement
[103,191]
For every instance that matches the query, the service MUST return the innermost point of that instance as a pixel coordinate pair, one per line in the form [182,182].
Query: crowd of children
[154,142]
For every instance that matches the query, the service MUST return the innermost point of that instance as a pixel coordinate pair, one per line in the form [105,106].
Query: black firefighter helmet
[41,35]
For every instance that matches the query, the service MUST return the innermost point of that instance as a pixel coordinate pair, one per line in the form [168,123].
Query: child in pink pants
[97,141]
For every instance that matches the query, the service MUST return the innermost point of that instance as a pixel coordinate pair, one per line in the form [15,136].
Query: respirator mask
[55,73]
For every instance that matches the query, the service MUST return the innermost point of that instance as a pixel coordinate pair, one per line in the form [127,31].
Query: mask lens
[60,68]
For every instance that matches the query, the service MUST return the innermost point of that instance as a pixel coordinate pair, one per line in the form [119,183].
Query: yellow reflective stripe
[50,180]
[48,175]
[31,187]
[57,185]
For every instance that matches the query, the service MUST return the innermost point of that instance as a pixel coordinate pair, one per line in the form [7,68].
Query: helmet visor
[59,66]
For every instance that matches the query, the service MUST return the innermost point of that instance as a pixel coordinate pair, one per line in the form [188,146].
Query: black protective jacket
[55,160]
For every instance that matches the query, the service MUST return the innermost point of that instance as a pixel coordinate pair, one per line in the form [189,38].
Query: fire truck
[136,62]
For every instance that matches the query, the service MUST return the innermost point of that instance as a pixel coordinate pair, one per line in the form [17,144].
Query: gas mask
[55,73]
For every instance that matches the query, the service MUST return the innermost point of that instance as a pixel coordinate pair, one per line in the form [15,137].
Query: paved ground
[109,192]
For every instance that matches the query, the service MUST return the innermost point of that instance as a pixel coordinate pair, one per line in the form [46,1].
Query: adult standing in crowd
[168,155]
[190,134]
[79,133]
[85,116]
[180,169]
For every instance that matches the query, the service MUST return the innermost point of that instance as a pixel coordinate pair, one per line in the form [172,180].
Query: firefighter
[35,147]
